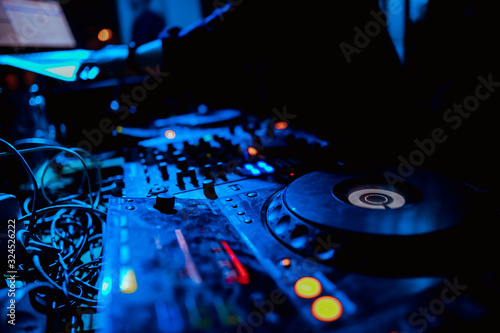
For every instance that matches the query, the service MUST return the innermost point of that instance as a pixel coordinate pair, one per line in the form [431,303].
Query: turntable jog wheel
[362,221]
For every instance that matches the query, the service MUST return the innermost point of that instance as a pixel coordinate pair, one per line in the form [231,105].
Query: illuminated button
[252,151]
[285,262]
[308,287]
[281,125]
[104,35]
[251,169]
[128,282]
[265,167]
[327,308]
[170,134]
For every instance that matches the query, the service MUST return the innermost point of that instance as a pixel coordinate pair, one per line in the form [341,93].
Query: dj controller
[233,224]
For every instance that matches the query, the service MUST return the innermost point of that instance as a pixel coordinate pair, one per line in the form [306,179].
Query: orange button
[327,308]
[252,151]
[308,287]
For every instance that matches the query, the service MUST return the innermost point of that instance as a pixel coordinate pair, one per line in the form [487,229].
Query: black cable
[56,240]
[32,178]
[73,152]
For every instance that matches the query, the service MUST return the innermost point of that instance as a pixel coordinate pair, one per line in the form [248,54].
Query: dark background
[374,105]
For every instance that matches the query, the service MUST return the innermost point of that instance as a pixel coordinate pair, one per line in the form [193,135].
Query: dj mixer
[231,224]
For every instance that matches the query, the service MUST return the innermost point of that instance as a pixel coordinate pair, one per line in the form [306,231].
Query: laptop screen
[29,24]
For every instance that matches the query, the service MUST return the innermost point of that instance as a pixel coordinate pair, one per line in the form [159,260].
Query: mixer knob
[220,171]
[182,163]
[165,202]
[164,170]
[180,179]
[170,148]
[192,175]
[209,189]
[207,168]
[187,146]
[202,160]
[176,155]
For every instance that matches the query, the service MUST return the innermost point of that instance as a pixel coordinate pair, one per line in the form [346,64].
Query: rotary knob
[165,203]
[209,189]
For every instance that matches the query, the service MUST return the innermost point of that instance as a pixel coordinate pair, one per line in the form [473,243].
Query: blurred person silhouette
[259,55]
[268,55]
[148,24]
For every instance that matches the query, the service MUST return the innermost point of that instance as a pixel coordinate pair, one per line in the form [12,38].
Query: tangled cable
[61,245]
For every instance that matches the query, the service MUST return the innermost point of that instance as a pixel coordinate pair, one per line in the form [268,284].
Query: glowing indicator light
[252,151]
[104,35]
[281,125]
[292,174]
[106,285]
[128,283]
[114,105]
[119,129]
[170,134]
[308,287]
[93,72]
[243,277]
[327,308]
[84,75]
[34,88]
[253,170]
[265,167]
[285,262]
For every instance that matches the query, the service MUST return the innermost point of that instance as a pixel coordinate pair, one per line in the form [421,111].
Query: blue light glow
[84,75]
[34,88]
[114,105]
[62,65]
[253,170]
[106,286]
[93,72]
[265,167]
